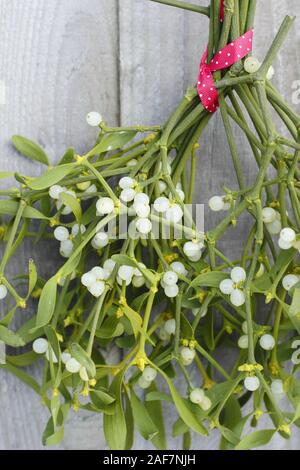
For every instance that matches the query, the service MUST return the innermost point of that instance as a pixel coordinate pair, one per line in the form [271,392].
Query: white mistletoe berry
[105,206]
[179,268]
[196,258]
[170,278]
[284,245]
[55,191]
[137,271]
[289,281]
[287,234]
[83,186]
[163,335]
[216,203]
[143,383]
[109,265]
[65,209]
[73,366]
[197,395]
[171,291]
[132,162]
[51,353]
[268,215]
[83,374]
[66,248]
[193,249]
[270,73]
[174,213]
[100,240]
[251,383]
[40,346]
[162,186]
[78,228]
[245,327]
[88,193]
[61,234]
[170,326]
[99,273]
[238,274]
[126,182]
[226,286]
[141,198]
[187,354]
[149,374]
[180,194]
[127,195]
[161,204]
[88,279]
[205,404]
[237,298]
[65,357]
[144,225]
[252,65]
[126,272]
[274,227]
[277,387]
[97,288]
[243,342]
[3,292]
[138,281]
[267,342]
[142,210]
[94,119]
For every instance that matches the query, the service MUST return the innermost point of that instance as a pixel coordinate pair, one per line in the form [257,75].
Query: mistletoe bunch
[170,303]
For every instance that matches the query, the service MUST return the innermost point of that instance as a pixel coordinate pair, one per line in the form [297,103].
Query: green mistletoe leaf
[256,439]
[11,208]
[47,303]
[211,279]
[115,428]
[184,412]
[113,141]
[83,358]
[51,177]
[74,204]
[10,338]
[144,423]
[30,149]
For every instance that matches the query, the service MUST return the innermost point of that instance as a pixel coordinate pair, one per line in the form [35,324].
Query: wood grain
[132,60]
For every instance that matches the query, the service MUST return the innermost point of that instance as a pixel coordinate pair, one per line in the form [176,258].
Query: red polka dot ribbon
[226,57]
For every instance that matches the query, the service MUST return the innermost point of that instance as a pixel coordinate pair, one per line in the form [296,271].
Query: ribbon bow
[226,57]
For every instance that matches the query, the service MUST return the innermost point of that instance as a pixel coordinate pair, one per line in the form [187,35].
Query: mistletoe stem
[184,6]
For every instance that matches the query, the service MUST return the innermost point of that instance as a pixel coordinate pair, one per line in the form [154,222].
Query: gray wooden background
[131,60]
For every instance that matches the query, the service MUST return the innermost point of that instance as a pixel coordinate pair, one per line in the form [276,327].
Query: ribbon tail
[233,52]
[207,91]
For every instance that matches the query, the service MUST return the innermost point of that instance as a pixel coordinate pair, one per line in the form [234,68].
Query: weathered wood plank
[58,61]
[160,50]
